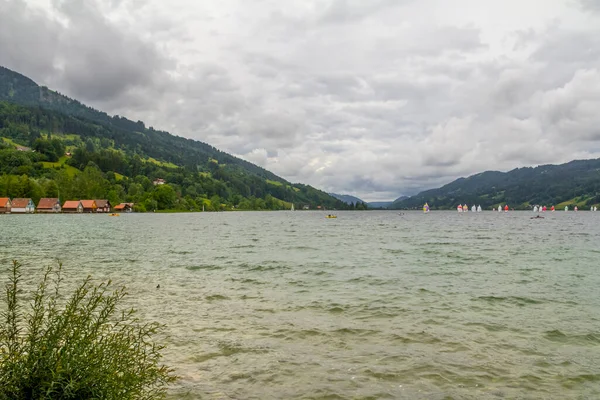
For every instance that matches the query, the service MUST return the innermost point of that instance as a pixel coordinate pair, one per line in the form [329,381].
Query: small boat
[331,216]
[114,215]
[292,209]
[479,208]
[566,208]
[500,208]
[459,208]
[535,208]
[506,208]
[473,208]
[465,208]
[426,208]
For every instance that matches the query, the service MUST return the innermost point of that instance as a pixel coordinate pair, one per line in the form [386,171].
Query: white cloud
[376,98]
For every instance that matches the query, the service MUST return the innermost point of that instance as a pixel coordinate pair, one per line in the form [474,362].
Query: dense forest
[51,145]
[576,183]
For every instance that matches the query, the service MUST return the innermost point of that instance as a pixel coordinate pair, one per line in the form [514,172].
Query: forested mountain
[379,204]
[85,153]
[573,183]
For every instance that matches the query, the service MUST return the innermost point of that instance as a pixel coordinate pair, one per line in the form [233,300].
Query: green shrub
[85,346]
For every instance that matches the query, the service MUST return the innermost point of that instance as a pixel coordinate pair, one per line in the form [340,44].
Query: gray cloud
[376,98]
[590,5]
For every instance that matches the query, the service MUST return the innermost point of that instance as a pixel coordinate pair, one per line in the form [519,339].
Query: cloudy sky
[376,98]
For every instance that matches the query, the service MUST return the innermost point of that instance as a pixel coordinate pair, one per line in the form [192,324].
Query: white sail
[535,208]
[500,208]
[473,208]
[292,209]
[479,208]
[566,208]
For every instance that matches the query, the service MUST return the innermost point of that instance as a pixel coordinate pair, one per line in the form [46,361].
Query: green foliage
[82,347]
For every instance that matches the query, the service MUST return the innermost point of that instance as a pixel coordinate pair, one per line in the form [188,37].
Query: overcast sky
[376,98]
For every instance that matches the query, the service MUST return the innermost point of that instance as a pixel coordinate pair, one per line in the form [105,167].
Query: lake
[379,304]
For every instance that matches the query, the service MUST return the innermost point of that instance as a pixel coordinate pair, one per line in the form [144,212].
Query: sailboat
[535,208]
[465,208]
[506,208]
[479,208]
[473,208]
[566,208]
[426,208]
[500,208]
[459,208]
[292,209]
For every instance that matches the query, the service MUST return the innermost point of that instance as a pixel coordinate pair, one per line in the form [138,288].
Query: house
[23,206]
[124,207]
[159,181]
[5,205]
[49,205]
[104,206]
[72,206]
[89,206]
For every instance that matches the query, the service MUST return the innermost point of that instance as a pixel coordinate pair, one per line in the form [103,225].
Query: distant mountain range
[574,183]
[349,199]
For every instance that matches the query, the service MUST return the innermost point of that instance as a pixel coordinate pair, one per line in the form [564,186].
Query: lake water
[280,305]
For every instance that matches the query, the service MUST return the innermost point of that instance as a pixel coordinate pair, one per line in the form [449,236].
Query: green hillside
[573,183]
[118,159]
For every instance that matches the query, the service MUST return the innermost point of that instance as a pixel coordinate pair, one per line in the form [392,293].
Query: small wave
[578,380]
[355,331]
[216,297]
[206,267]
[517,300]
[180,252]
[583,339]
[307,248]
[243,246]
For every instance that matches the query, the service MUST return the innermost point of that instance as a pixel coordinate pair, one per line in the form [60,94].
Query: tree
[165,196]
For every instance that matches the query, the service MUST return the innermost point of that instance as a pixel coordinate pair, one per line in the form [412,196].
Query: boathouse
[124,207]
[104,206]
[72,207]
[23,206]
[49,205]
[5,205]
[89,206]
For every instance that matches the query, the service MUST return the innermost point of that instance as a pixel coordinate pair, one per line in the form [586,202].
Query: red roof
[3,201]
[123,205]
[71,204]
[47,203]
[88,204]
[20,203]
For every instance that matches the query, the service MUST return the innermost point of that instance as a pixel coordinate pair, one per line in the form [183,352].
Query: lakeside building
[72,207]
[23,206]
[103,206]
[89,206]
[124,207]
[49,205]
[5,205]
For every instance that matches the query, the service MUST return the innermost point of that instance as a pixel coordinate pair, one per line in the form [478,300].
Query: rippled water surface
[369,305]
